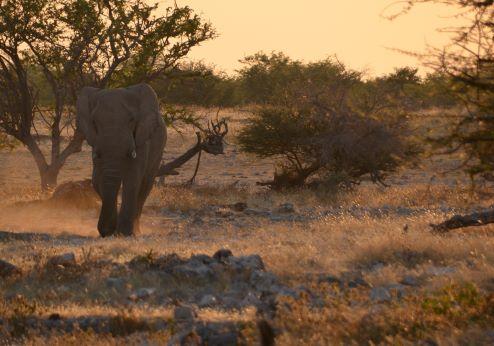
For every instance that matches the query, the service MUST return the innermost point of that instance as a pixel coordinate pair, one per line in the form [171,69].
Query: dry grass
[342,234]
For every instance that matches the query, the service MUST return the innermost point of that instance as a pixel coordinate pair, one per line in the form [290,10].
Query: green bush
[329,126]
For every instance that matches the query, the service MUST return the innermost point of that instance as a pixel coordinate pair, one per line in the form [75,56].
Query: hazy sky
[354,30]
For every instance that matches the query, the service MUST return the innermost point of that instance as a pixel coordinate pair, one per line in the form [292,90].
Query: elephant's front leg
[107,222]
[128,210]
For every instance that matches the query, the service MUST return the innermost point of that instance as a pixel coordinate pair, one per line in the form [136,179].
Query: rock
[142,293]
[117,283]
[239,206]
[251,262]
[7,269]
[386,293]
[286,292]
[317,303]
[197,220]
[222,254]
[440,271]
[207,301]
[223,339]
[377,267]
[184,313]
[230,302]
[165,261]
[410,280]
[201,259]
[286,208]
[263,281]
[189,271]
[256,212]
[380,295]
[250,300]
[358,282]
[64,260]
[329,279]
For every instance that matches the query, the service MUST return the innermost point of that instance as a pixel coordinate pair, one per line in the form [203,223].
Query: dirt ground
[306,267]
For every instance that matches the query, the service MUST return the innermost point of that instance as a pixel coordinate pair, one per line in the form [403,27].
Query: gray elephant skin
[127,135]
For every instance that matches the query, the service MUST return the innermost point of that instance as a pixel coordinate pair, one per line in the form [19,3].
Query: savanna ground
[354,267]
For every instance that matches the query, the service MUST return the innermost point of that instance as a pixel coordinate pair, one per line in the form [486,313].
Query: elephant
[127,135]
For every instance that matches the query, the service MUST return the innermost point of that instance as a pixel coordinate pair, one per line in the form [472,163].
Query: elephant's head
[117,124]
[117,121]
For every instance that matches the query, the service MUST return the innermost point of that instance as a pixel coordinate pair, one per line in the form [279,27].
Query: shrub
[330,127]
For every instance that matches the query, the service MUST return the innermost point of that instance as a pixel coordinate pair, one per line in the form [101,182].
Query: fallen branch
[170,167]
[213,143]
[460,221]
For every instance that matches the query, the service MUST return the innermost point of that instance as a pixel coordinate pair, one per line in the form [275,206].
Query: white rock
[207,301]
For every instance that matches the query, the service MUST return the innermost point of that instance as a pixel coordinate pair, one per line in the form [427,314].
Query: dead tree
[459,221]
[210,140]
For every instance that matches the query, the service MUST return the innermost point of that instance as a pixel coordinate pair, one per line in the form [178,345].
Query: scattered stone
[189,338]
[317,303]
[286,292]
[222,255]
[250,300]
[197,220]
[239,206]
[263,281]
[184,313]
[410,280]
[142,293]
[358,282]
[329,279]
[201,259]
[207,301]
[222,339]
[257,212]
[195,272]
[7,269]
[64,260]
[377,267]
[440,271]
[251,262]
[380,295]
[117,283]
[387,293]
[286,208]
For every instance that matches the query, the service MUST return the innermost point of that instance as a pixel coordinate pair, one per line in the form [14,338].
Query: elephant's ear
[148,116]
[84,107]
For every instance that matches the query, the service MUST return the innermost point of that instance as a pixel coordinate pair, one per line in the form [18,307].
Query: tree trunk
[49,177]
[49,172]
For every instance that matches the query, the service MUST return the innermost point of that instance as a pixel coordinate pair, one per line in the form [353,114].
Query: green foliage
[195,83]
[326,123]
[453,301]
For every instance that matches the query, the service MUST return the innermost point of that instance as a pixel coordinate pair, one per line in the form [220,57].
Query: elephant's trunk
[111,181]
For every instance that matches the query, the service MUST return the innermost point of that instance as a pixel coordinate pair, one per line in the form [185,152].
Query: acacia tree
[468,64]
[102,43]
[322,123]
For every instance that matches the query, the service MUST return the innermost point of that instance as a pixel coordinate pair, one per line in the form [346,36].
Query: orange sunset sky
[355,31]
